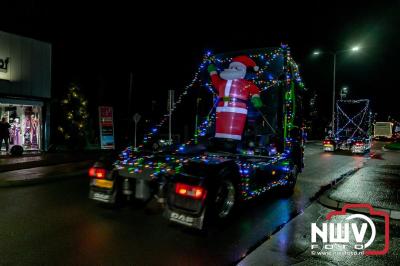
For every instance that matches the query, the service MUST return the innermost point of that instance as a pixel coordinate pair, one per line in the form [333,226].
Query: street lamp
[343,92]
[334,53]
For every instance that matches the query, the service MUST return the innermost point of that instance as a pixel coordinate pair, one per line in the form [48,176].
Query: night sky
[98,45]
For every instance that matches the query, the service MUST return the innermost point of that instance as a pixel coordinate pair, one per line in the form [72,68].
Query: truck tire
[225,199]
[288,190]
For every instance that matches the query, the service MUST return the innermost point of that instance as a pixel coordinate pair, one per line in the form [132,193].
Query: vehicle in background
[383,130]
[353,127]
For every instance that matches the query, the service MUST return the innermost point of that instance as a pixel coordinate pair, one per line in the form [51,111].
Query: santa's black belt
[231,99]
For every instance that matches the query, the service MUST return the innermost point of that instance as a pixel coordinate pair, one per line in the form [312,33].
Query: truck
[383,130]
[352,127]
[207,178]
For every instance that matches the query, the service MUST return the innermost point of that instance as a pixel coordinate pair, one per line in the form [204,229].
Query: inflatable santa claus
[234,93]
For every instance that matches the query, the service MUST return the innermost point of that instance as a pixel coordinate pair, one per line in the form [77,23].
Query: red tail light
[327,142]
[195,192]
[97,172]
[358,143]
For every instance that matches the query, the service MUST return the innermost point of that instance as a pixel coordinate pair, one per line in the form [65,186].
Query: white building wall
[29,67]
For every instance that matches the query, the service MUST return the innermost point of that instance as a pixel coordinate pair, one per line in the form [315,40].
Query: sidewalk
[34,169]
[9,163]
[377,184]
[42,174]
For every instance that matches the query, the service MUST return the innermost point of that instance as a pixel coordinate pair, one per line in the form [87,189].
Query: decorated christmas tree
[73,123]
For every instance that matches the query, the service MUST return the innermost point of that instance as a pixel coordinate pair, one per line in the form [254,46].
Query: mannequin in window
[34,128]
[16,132]
[27,131]
[12,133]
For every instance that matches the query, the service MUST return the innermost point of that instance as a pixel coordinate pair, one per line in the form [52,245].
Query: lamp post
[316,53]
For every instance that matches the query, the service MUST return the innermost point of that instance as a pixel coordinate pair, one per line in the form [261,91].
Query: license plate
[328,147]
[103,183]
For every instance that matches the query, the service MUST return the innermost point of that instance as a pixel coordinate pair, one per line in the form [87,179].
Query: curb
[32,164]
[51,161]
[326,201]
[41,180]
[335,182]
[335,204]
[39,163]
[390,150]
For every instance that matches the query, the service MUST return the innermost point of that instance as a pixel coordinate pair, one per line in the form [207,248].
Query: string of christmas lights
[262,78]
[279,164]
[353,120]
[74,106]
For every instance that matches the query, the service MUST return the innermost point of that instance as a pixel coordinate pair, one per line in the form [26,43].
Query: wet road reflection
[55,223]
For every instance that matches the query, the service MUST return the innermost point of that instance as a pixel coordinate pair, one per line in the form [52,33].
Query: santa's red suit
[231,110]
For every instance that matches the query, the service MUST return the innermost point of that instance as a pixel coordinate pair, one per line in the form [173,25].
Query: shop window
[26,125]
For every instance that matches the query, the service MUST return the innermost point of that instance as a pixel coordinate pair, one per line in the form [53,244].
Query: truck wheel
[288,190]
[225,199]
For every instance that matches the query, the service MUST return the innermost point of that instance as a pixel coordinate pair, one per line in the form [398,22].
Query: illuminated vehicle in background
[207,178]
[383,130]
[353,127]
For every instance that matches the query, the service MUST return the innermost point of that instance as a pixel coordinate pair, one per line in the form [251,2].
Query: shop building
[25,90]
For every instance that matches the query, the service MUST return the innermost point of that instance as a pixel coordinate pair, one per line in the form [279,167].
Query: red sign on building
[106,127]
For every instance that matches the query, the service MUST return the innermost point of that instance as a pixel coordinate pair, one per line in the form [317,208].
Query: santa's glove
[212,69]
[256,101]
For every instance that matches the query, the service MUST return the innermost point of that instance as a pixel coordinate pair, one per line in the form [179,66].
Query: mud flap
[183,218]
[103,197]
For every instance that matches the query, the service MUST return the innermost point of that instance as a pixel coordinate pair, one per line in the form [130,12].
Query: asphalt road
[56,224]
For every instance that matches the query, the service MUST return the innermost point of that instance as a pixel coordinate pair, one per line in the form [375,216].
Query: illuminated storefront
[25,82]
[26,124]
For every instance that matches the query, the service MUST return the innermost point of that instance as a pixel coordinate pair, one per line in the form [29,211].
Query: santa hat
[247,61]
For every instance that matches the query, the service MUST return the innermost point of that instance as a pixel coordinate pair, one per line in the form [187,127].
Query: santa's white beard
[230,74]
